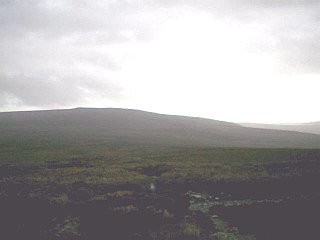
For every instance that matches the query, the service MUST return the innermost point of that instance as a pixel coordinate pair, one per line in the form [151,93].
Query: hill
[123,127]
[313,127]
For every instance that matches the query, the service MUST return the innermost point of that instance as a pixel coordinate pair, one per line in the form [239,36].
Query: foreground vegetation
[144,193]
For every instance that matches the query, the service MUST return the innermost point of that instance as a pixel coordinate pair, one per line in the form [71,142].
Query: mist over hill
[312,127]
[124,127]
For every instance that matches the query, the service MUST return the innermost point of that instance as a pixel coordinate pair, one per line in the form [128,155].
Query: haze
[235,60]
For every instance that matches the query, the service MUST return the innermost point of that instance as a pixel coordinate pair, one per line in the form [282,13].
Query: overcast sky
[233,60]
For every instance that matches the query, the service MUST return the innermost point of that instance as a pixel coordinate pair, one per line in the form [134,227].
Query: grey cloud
[31,16]
[45,50]
[45,40]
[53,92]
[110,18]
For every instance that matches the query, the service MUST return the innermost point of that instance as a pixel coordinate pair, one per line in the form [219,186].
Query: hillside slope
[123,127]
[313,127]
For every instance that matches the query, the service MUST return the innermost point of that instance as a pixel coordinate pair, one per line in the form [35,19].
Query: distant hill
[122,127]
[313,127]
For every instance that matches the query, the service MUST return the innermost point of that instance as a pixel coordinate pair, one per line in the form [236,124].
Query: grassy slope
[142,165]
[313,127]
[114,146]
[63,131]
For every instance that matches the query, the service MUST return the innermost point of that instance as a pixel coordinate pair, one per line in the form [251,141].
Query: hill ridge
[130,127]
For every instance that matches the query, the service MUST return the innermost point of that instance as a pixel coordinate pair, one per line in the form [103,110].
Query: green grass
[102,165]
[96,165]
[191,230]
[224,232]
[91,174]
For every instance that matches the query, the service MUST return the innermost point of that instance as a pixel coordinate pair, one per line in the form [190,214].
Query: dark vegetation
[141,194]
[295,218]
[60,180]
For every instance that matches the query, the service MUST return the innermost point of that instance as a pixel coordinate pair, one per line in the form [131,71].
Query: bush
[191,231]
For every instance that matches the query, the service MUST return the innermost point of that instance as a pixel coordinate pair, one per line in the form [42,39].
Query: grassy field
[71,175]
[96,165]
[89,192]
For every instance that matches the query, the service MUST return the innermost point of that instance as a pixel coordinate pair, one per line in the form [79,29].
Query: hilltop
[125,127]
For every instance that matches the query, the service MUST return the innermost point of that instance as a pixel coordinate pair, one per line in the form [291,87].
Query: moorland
[128,174]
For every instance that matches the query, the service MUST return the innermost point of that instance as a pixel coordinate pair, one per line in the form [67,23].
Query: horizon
[141,110]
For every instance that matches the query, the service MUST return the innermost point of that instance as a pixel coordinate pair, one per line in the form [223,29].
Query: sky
[231,60]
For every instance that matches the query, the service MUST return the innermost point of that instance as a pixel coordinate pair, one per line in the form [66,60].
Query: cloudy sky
[233,60]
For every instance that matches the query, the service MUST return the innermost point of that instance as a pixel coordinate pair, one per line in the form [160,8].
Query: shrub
[125,210]
[191,231]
